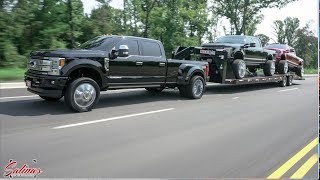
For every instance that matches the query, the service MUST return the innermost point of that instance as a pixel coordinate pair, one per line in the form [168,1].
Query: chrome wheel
[273,68]
[197,87]
[302,72]
[84,95]
[286,68]
[242,69]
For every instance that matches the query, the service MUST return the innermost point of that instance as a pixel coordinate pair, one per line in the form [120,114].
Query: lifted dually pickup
[111,62]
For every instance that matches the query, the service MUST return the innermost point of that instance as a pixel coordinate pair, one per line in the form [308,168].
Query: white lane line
[17,85]
[18,97]
[111,119]
[288,90]
[236,98]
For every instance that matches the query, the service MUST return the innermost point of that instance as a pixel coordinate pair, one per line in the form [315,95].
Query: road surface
[252,131]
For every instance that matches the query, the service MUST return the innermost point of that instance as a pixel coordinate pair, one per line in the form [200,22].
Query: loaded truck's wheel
[196,88]
[283,67]
[300,71]
[51,99]
[82,94]
[283,82]
[269,68]
[239,68]
[289,80]
[155,90]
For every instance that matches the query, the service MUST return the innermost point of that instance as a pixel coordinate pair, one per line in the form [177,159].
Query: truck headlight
[56,65]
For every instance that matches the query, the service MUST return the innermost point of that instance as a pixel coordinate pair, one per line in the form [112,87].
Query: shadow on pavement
[37,107]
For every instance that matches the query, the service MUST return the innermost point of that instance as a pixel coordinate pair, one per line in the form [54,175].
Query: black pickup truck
[111,62]
[247,54]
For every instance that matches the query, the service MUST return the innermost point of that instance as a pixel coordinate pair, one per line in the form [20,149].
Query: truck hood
[76,53]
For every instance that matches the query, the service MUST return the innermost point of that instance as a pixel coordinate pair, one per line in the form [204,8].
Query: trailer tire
[269,68]
[289,80]
[283,82]
[195,88]
[300,71]
[239,68]
[283,67]
[82,94]
[50,99]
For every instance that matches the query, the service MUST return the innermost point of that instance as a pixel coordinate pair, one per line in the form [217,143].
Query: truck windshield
[100,43]
[231,40]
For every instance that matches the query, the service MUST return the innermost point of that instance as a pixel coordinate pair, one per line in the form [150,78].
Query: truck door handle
[139,63]
[162,64]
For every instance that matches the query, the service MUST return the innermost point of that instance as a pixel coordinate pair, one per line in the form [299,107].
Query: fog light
[52,82]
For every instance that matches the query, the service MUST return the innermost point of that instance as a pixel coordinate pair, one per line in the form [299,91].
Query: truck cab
[110,62]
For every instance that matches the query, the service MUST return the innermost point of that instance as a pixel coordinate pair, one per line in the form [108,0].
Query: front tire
[50,99]
[300,71]
[283,67]
[82,94]
[196,88]
[269,68]
[239,68]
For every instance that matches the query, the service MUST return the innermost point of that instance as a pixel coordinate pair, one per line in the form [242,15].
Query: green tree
[286,30]
[241,12]
[279,30]
[306,46]
[264,39]
[75,20]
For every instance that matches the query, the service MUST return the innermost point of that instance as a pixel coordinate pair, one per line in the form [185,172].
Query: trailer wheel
[50,99]
[196,87]
[155,90]
[269,68]
[283,67]
[239,68]
[300,71]
[289,80]
[283,82]
[82,94]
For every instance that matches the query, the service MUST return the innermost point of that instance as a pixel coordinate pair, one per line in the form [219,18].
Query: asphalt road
[232,132]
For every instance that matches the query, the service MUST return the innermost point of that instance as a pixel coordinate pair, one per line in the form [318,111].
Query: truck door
[262,55]
[123,70]
[154,62]
[253,56]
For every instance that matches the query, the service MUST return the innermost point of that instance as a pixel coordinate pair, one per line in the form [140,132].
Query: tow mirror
[113,54]
[123,51]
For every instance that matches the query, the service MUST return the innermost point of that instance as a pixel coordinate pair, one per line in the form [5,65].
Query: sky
[305,10]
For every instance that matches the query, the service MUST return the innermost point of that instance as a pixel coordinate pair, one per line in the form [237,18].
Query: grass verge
[310,71]
[10,74]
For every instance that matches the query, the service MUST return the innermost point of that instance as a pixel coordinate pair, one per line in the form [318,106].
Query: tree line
[26,25]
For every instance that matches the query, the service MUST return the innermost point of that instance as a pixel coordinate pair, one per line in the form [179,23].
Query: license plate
[209,52]
[28,83]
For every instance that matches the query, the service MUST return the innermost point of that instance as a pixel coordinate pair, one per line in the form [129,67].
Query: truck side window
[151,49]
[132,45]
[249,40]
[257,41]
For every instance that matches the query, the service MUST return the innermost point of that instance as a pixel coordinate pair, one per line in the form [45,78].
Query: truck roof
[131,37]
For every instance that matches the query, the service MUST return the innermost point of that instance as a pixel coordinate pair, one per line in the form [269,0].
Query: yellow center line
[305,167]
[293,160]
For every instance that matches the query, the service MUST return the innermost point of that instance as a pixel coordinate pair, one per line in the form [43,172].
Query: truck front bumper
[45,85]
